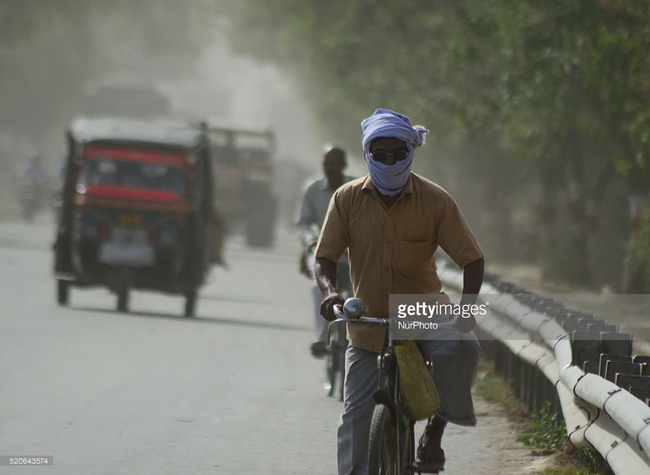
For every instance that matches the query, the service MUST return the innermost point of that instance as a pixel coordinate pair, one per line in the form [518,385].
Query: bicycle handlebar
[341,316]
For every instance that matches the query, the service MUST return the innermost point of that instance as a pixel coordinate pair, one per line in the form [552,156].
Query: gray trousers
[455,364]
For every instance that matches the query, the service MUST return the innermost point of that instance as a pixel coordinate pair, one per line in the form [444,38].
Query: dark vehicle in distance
[137,209]
[243,173]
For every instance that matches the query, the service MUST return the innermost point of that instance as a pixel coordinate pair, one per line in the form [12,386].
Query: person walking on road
[311,214]
[391,222]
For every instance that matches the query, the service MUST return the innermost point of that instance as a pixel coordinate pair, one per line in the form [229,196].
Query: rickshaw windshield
[131,174]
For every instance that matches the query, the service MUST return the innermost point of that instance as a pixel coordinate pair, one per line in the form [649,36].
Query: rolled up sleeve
[334,238]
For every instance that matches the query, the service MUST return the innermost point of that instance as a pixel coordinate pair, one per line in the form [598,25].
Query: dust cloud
[53,69]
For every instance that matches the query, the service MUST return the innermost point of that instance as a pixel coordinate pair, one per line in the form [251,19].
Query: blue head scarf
[390,179]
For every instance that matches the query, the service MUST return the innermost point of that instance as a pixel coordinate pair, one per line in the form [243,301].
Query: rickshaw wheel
[123,300]
[125,277]
[63,292]
[190,303]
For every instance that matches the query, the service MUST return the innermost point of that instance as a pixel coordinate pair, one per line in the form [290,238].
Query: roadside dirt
[513,456]
[492,446]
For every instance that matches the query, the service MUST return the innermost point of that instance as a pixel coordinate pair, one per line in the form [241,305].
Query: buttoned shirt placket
[387,254]
[388,248]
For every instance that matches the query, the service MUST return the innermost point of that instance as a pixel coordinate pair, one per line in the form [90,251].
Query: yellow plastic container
[418,392]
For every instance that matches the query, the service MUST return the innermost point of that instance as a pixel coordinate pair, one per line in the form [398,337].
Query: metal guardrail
[540,362]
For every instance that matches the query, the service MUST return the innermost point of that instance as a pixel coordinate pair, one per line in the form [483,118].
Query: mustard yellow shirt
[392,250]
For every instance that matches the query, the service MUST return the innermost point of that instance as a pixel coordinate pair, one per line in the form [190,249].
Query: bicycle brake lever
[338,312]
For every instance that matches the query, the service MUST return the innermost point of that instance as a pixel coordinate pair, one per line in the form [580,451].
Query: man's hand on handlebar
[327,306]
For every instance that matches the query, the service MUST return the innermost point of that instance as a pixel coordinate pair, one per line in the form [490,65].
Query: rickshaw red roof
[136,154]
[136,194]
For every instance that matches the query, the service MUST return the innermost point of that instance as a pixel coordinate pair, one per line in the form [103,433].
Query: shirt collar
[324,184]
[369,185]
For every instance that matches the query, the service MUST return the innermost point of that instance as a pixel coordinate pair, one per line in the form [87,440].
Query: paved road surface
[232,391]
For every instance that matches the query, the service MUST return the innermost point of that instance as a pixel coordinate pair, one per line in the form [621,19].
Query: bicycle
[391,445]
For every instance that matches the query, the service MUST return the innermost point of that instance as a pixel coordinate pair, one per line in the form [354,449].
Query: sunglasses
[382,155]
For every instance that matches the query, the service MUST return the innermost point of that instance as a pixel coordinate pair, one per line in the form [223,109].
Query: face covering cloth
[390,180]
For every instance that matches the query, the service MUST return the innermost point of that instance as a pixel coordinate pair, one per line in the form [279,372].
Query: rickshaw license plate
[126,236]
[128,247]
[131,220]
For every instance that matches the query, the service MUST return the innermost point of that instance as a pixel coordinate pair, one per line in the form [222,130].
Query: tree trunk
[577,268]
[633,277]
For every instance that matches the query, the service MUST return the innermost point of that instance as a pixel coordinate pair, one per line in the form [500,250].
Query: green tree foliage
[553,93]
[338,51]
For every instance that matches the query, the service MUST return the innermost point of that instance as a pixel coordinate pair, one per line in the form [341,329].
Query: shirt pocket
[413,256]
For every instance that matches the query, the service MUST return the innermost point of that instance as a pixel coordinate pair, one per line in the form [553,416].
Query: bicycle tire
[408,447]
[332,369]
[382,443]
[341,373]
[63,292]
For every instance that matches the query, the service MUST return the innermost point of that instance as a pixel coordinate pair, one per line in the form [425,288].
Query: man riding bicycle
[311,214]
[392,222]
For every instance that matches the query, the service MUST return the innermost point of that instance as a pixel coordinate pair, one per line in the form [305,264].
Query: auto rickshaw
[137,209]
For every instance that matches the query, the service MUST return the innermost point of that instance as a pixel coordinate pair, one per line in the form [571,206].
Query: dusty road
[232,391]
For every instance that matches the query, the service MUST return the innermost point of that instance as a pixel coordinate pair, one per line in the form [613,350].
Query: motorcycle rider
[33,182]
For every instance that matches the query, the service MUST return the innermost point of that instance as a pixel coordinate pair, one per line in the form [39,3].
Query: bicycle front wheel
[332,369]
[382,444]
